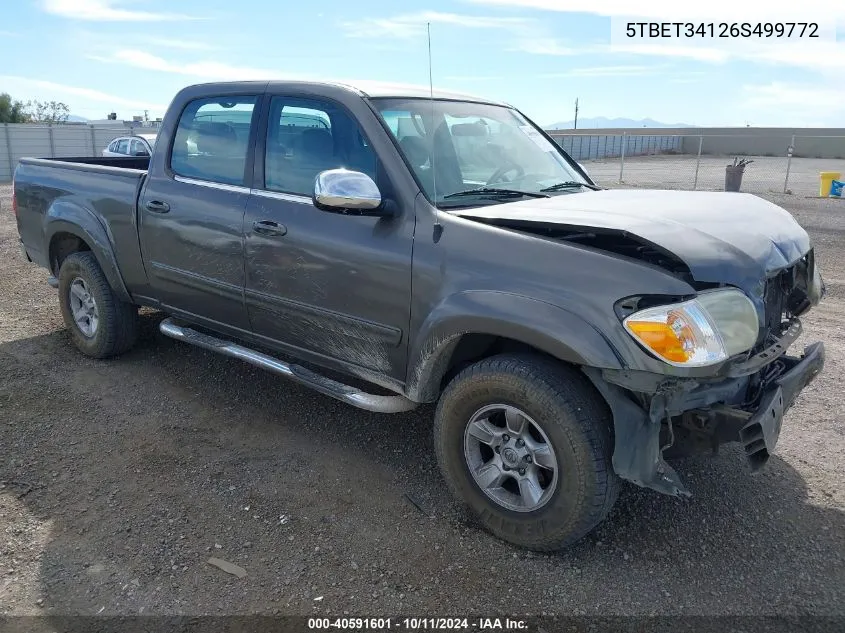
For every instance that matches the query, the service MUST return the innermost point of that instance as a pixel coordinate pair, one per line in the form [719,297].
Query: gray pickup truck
[440,248]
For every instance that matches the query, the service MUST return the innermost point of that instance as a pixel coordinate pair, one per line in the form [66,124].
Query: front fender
[66,216]
[542,325]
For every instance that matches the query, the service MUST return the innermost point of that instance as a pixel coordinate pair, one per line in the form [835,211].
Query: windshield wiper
[511,193]
[571,184]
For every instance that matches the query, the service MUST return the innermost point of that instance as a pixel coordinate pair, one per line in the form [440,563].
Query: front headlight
[703,331]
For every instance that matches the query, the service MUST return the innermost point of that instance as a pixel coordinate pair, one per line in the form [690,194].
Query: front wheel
[525,442]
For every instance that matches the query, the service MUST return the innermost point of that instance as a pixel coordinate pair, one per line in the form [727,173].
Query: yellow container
[825,179]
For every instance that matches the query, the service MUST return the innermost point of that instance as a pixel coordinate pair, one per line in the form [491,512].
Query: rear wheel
[100,324]
[525,443]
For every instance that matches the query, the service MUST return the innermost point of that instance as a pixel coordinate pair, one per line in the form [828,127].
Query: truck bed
[97,192]
[129,162]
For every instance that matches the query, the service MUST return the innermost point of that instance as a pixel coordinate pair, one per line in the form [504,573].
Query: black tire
[578,424]
[117,327]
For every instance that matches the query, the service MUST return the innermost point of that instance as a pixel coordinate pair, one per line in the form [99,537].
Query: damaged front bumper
[650,410]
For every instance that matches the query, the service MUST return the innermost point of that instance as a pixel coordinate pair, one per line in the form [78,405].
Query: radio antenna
[437,228]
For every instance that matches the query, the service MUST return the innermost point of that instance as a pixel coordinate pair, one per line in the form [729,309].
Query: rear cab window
[211,142]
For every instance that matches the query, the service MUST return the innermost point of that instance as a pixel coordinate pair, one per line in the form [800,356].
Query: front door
[338,286]
[191,218]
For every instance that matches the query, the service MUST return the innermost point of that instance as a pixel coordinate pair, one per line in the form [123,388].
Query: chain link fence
[788,164]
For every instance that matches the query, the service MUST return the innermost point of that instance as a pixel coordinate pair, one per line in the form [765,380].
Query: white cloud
[588,71]
[698,53]
[465,78]
[201,69]
[604,71]
[180,44]
[671,10]
[826,57]
[413,25]
[105,11]
[39,89]
[553,47]
[801,104]
[545,46]
[822,56]
[806,96]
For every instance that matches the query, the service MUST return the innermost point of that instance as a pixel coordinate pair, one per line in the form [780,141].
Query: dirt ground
[119,479]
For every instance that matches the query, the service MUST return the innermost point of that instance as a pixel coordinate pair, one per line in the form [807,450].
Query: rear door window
[212,139]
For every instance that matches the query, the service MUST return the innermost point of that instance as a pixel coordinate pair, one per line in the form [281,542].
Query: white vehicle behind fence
[138,145]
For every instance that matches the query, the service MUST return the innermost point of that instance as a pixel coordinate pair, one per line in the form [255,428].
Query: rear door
[192,216]
[334,285]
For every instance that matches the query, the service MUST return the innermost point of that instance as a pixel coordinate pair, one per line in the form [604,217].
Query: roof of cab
[385,89]
[370,89]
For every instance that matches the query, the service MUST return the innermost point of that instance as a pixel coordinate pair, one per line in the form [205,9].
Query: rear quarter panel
[97,203]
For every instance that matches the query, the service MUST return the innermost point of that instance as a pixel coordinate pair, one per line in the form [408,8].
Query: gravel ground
[119,479]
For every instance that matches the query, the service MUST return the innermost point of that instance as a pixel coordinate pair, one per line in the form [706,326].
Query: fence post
[9,150]
[789,151]
[93,141]
[52,143]
[622,163]
[698,161]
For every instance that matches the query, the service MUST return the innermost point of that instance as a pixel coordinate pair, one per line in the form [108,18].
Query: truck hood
[733,238]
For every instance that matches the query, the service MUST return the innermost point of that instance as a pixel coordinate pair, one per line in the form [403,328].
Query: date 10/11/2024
[387,624]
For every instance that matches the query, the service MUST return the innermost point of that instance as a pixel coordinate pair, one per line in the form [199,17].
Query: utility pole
[576,113]
[146,115]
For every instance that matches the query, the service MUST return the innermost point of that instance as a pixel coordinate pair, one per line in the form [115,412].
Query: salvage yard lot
[121,478]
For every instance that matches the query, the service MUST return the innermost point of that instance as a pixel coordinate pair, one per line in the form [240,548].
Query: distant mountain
[74,118]
[604,122]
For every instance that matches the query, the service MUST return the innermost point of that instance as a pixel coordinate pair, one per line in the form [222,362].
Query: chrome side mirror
[342,189]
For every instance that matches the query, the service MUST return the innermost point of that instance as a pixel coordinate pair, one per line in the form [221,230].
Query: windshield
[477,146]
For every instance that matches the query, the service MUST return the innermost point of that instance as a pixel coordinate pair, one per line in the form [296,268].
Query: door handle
[268,227]
[157,206]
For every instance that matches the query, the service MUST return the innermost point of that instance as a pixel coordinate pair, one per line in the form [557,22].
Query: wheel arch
[474,325]
[70,228]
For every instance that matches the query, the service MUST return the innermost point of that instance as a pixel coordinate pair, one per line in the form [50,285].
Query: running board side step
[326,386]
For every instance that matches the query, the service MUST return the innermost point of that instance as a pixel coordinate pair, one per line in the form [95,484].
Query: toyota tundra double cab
[441,248]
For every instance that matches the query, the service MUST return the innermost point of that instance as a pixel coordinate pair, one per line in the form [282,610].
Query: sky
[125,56]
